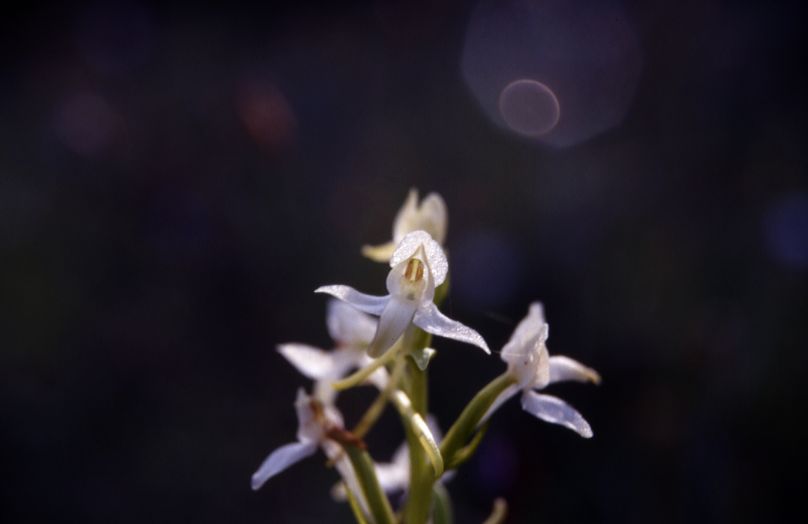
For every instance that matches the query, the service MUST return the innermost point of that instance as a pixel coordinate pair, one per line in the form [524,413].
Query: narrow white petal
[280,459]
[431,320]
[347,325]
[395,318]
[503,397]
[367,303]
[310,361]
[556,411]
[564,368]
[435,257]
[380,253]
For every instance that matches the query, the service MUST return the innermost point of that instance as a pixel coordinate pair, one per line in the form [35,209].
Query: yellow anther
[414,272]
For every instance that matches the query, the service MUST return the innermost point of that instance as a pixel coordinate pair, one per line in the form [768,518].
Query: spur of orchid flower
[430,216]
[315,419]
[418,265]
[532,368]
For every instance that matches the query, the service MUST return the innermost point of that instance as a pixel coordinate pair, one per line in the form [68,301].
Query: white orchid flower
[418,267]
[352,332]
[314,419]
[530,364]
[431,216]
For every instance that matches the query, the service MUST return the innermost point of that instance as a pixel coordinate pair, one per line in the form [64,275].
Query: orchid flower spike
[430,216]
[314,419]
[418,267]
[533,368]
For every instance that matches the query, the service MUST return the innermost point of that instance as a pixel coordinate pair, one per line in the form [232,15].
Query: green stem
[361,375]
[443,506]
[415,424]
[466,424]
[356,507]
[422,477]
[377,501]
[375,410]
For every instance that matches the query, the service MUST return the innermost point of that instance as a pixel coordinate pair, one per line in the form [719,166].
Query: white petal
[380,253]
[564,368]
[310,361]
[280,459]
[436,258]
[503,397]
[347,325]
[526,353]
[434,217]
[407,217]
[531,332]
[433,321]
[431,216]
[556,411]
[395,475]
[367,303]
[308,428]
[394,320]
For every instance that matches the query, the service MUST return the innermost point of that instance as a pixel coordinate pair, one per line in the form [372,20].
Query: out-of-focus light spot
[114,38]
[266,115]
[86,123]
[490,273]
[586,50]
[529,107]
[786,230]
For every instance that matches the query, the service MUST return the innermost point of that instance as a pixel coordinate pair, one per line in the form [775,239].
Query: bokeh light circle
[529,107]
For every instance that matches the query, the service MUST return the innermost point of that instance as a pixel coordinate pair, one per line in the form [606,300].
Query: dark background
[175,181]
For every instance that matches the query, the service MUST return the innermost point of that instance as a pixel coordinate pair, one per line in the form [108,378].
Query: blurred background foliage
[175,180]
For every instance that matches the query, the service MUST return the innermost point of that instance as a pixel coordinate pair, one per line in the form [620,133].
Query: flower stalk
[422,477]
[377,501]
[468,421]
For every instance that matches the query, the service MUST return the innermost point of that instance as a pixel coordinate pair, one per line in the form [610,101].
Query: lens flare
[529,107]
